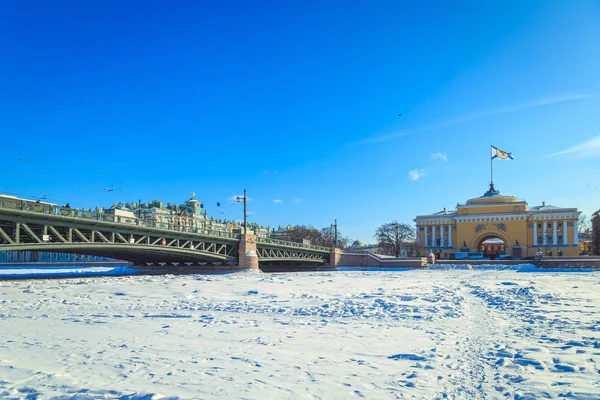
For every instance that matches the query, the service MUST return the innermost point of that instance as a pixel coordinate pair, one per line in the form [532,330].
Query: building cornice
[511,204]
[524,216]
[433,219]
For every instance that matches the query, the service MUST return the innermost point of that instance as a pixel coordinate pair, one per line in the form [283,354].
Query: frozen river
[469,334]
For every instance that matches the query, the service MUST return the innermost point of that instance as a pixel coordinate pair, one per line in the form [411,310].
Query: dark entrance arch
[491,246]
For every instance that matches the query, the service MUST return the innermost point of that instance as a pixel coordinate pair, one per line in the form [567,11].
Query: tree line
[393,238]
[320,237]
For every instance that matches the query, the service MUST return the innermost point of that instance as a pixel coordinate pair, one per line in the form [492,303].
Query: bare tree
[583,224]
[393,237]
[320,237]
[328,238]
[303,232]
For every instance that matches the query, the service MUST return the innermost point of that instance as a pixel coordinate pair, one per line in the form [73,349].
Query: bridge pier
[248,256]
[334,257]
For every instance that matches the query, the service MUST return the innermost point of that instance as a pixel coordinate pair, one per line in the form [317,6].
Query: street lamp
[334,226]
[244,199]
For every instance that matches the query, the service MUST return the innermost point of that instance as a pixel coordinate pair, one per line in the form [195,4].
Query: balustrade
[44,208]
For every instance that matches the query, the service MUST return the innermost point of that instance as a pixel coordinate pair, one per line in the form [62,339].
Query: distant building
[189,216]
[358,246]
[596,233]
[586,246]
[282,233]
[522,229]
[493,247]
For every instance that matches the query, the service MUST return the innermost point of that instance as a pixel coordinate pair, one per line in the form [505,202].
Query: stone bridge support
[334,257]
[248,258]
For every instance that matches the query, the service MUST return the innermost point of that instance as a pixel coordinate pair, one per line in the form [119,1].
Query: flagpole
[491,167]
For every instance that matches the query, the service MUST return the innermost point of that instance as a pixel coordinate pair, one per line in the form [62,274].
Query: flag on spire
[501,154]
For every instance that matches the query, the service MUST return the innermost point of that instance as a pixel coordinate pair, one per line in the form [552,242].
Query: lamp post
[244,199]
[334,226]
[548,237]
[429,239]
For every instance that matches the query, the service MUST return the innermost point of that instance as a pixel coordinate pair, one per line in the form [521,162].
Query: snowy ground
[412,334]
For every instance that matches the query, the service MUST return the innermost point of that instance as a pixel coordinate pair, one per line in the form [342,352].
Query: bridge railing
[51,209]
[45,208]
[292,244]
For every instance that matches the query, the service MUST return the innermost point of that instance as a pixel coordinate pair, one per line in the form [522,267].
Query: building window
[540,239]
[539,226]
[559,225]
[560,238]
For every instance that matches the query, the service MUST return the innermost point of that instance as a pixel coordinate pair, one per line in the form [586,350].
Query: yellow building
[523,229]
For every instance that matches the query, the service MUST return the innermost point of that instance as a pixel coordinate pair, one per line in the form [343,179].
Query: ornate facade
[523,229]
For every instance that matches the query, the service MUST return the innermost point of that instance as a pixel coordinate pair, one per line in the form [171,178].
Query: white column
[565,233]
[425,235]
[442,235]
[449,235]
[554,234]
[418,238]
[535,243]
[575,234]
[545,237]
[433,243]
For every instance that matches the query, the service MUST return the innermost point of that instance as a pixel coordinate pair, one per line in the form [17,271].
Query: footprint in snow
[407,356]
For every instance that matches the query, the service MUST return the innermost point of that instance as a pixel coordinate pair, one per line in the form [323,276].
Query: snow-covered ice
[437,333]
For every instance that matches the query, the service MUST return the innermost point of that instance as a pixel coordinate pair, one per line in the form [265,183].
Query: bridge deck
[80,232]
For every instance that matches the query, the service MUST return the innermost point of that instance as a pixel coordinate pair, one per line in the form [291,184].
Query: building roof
[493,240]
[494,198]
[444,212]
[543,207]
[548,207]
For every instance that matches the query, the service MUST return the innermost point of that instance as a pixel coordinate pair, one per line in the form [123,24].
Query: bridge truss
[28,231]
[280,254]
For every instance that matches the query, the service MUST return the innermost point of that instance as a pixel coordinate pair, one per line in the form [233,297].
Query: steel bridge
[30,228]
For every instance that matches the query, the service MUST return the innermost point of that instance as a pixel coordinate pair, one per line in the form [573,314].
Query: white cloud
[416,174]
[540,102]
[299,200]
[589,148]
[440,156]
[277,201]
[269,171]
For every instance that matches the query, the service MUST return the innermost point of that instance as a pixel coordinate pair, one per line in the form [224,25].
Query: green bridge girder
[34,231]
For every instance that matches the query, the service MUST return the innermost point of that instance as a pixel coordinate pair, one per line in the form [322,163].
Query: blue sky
[298,103]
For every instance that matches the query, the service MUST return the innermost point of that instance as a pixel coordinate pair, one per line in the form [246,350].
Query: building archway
[478,240]
[492,246]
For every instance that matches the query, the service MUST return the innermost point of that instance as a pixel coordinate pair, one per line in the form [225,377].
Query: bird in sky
[399,115]
[22,160]
[111,188]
